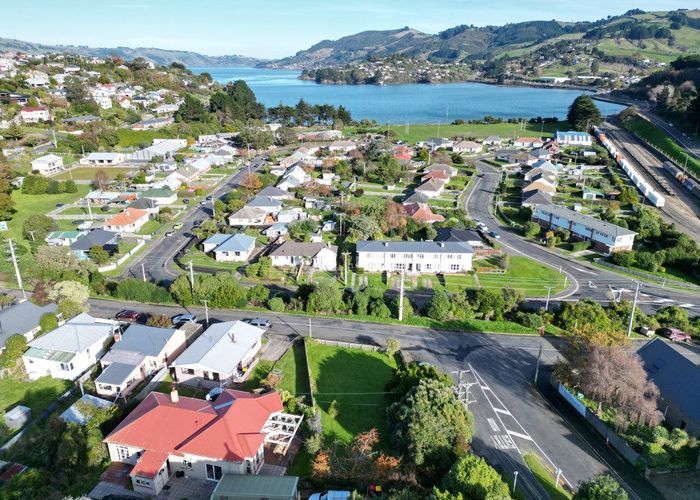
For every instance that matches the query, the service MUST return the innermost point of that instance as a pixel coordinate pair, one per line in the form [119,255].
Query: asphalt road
[511,416]
[585,280]
[155,260]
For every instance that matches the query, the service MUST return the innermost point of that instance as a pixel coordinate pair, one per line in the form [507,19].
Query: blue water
[413,103]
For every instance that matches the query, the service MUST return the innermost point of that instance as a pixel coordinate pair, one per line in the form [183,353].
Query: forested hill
[660,35]
[157,56]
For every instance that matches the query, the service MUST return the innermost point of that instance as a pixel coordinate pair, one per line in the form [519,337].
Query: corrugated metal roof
[243,486]
[414,246]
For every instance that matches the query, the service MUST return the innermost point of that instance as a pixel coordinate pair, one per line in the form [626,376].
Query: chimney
[442,244]
[117,335]
[386,243]
[174,398]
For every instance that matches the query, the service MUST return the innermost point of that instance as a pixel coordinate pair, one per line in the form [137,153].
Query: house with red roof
[421,212]
[35,114]
[167,434]
[129,220]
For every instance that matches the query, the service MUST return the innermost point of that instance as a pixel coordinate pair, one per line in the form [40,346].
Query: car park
[178,319]
[259,322]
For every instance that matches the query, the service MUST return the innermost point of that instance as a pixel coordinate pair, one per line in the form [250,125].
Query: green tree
[99,255]
[181,289]
[439,306]
[70,186]
[472,477]
[531,229]
[276,304]
[583,113]
[191,110]
[392,346]
[601,487]
[142,291]
[430,427]
[388,169]
[48,322]
[258,295]
[14,132]
[628,195]
[595,66]
[588,321]
[325,298]
[37,226]
[7,206]
[14,348]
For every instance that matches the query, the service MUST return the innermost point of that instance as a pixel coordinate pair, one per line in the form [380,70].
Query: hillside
[657,36]
[155,55]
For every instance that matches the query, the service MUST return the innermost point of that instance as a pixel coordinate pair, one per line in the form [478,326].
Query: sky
[275,28]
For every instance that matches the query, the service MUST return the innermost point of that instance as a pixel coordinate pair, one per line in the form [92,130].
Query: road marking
[503,441]
[522,436]
[687,306]
[585,271]
[493,424]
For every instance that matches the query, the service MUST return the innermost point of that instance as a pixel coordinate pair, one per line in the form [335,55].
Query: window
[123,453]
[248,467]
[106,387]
[188,371]
[428,267]
[420,255]
[454,267]
[66,367]
[400,266]
[186,464]
[213,472]
[392,255]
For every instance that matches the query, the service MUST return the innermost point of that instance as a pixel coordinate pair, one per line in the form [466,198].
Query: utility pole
[634,306]
[537,366]
[213,208]
[191,277]
[143,271]
[345,257]
[515,480]
[401,291]
[546,304]
[310,335]
[19,276]
[206,312]
[89,208]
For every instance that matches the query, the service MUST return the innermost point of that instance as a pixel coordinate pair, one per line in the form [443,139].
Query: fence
[351,345]
[647,276]
[610,436]
[122,259]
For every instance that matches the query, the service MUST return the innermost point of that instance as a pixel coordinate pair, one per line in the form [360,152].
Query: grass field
[88,173]
[504,130]
[657,137]
[149,227]
[545,478]
[132,138]
[37,394]
[27,204]
[526,275]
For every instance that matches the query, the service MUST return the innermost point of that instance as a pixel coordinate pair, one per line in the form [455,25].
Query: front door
[417,268]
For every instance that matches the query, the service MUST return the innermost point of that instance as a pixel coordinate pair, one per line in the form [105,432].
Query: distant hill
[659,36]
[157,56]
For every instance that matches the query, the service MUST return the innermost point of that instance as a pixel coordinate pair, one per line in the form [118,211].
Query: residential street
[158,256]
[586,280]
[511,416]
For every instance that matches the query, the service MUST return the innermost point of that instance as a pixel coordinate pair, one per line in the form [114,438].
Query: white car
[331,495]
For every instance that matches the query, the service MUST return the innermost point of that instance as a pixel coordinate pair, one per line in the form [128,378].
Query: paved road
[511,417]
[585,279]
[155,261]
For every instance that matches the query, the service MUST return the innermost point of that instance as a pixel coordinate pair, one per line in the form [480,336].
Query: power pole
[546,304]
[515,480]
[143,271]
[537,366]
[401,291]
[206,312]
[89,208]
[310,335]
[345,257]
[191,277]
[634,306]
[19,276]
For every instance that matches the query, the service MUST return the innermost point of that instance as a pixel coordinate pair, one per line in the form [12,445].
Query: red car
[674,334]
[127,315]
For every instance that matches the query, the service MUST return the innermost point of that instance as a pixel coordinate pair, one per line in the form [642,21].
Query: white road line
[493,424]
[481,381]
[585,271]
[499,410]
[517,434]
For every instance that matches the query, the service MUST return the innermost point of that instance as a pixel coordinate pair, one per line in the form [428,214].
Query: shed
[243,487]
[18,417]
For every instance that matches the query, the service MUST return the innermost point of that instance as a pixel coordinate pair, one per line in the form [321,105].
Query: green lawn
[149,227]
[504,130]
[526,275]
[88,173]
[132,138]
[546,478]
[37,394]
[657,137]
[27,204]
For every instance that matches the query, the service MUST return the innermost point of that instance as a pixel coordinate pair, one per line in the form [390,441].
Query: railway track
[681,208]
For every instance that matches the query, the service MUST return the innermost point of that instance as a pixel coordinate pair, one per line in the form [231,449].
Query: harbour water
[412,103]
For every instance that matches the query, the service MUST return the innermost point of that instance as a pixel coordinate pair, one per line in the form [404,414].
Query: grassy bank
[422,132]
[545,478]
[661,140]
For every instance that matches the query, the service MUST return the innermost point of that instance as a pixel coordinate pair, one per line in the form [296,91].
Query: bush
[48,322]
[313,443]
[624,259]
[578,246]
[379,309]
[656,456]
[141,291]
[276,304]
[439,306]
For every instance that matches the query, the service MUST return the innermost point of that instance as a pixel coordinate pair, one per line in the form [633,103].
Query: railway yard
[680,205]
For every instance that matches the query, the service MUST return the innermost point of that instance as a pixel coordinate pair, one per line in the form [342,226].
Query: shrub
[656,456]
[379,309]
[141,291]
[333,409]
[48,322]
[313,443]
[578,246]
[276,304]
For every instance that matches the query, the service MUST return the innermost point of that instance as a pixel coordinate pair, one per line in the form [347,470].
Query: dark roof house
[22,319]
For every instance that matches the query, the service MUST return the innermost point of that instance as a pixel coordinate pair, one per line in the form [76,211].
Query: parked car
[168,234]
[259,322]
[674,334]
[331,495]
[197,223]
[186,201]
[482,227]
[59,205]
[183,318]
[210,198]
[645,330]
[177,226]
[129,315]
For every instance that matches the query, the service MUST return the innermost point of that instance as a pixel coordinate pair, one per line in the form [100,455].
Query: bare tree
[101,181]
[614,376]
